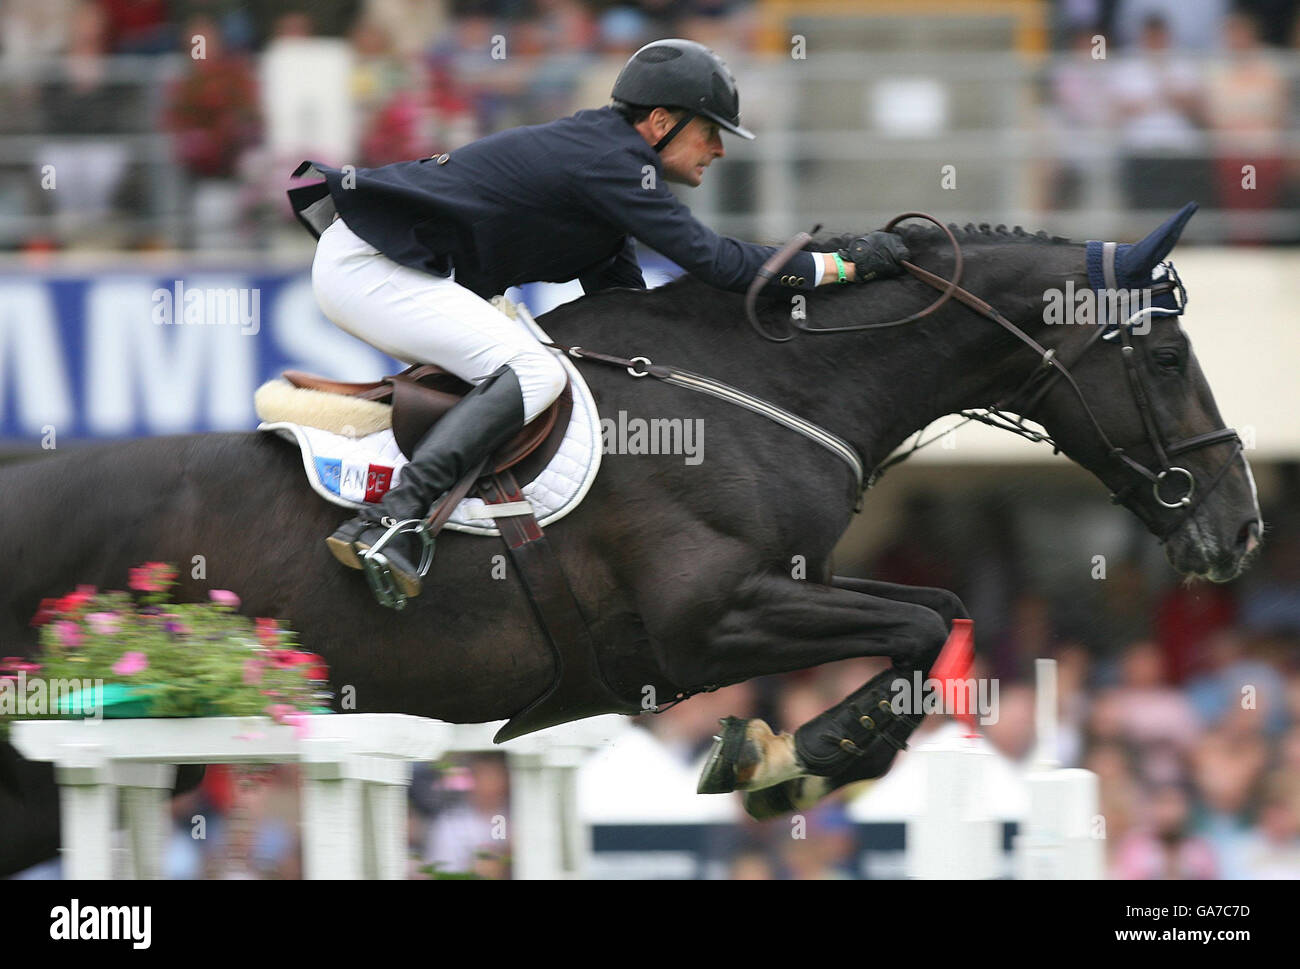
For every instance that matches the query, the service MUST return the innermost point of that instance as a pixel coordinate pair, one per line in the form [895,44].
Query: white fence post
[1057,839]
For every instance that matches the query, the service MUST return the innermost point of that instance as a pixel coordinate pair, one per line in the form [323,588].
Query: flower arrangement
[163,659]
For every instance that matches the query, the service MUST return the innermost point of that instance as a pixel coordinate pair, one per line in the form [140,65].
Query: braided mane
[927,235]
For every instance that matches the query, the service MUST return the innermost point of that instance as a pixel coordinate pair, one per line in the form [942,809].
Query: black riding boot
[485,419]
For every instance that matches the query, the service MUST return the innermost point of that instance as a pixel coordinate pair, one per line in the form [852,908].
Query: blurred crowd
[1195,98]
[1151,101]
[376,81]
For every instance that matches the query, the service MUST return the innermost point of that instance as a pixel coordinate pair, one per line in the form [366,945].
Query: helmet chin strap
[686,119]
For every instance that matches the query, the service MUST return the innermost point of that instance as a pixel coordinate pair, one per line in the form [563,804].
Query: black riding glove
[876,255]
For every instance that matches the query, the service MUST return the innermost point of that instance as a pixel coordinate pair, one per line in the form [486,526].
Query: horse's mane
[924,236]
[917,237]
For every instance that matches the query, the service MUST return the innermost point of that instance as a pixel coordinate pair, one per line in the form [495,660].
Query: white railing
[356,771]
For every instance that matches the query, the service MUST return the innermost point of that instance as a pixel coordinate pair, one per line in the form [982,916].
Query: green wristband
[839,264]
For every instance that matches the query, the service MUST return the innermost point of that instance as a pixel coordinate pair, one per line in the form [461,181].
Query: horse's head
[1143,418]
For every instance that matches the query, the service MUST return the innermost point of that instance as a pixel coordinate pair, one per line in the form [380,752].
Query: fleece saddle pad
[351,458]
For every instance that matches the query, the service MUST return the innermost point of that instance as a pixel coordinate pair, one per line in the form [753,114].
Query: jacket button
[442,159]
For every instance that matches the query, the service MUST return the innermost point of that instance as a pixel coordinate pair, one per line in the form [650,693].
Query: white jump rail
[356,774]
[954,836]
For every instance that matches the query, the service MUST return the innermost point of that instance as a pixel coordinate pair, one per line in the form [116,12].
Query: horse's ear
[1133,264]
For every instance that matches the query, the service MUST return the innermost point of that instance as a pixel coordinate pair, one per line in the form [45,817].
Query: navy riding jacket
[549,202]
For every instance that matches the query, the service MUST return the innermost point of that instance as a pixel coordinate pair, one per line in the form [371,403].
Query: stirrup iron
[378,571]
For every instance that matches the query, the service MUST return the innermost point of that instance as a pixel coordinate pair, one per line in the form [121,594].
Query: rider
[410,253]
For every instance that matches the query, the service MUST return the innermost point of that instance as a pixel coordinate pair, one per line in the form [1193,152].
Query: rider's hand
[875,256]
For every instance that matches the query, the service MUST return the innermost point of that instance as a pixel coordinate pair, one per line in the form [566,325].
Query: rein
[1045,375]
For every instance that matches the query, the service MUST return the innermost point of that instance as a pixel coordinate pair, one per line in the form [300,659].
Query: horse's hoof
[799,794]
[771,802]
[719,774]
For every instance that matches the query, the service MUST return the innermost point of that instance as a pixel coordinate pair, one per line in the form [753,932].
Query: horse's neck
[873,389]
[885,388]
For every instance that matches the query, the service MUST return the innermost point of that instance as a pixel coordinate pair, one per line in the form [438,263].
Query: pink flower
[18,664]
[301,723]
[268,633]
[252,671]
[68,633]
[130,663]
[224,597]
[151,577]
[49,608]
[73,601]
[279,711]
[104,622]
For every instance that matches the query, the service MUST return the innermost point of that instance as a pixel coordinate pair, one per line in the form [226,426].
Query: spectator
[471,833]
[1075,113]
[1150,710]
[411,26]
[83,100]
[33,29]
[1226,773]
[1163,847]
[390,96]
[212,111]
[137,26]
[1185,616]
[1272,848]
[1158,102]
[1247,111]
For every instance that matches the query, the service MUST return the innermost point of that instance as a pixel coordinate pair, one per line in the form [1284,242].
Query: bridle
[1025,398]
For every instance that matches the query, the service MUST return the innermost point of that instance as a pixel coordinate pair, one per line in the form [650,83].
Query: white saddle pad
[354,471]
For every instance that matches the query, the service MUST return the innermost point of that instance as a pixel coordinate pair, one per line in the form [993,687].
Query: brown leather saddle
[422,393]
[420,396]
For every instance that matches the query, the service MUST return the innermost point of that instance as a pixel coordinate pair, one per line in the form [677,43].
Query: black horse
[686,572]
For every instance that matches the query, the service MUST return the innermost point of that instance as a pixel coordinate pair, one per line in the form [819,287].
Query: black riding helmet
[681,74]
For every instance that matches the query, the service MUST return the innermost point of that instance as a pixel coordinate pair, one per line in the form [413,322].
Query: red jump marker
[953,670]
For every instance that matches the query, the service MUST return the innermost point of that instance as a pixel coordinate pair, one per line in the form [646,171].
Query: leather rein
[1031,392]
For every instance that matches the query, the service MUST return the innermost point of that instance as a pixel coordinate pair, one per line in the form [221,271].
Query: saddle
[419,396]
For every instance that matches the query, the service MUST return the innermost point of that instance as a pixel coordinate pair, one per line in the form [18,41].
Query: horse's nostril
[1249,536]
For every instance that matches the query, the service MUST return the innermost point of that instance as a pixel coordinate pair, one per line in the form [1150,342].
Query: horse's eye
[1167,358]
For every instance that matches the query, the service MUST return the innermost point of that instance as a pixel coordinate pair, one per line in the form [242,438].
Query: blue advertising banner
[118,353]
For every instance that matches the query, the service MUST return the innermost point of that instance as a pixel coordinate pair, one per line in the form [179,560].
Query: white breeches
[421,318]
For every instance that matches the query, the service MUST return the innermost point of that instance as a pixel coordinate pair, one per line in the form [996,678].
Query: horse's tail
[29,812]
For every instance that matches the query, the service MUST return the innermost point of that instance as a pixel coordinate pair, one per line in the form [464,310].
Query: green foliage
[176,659]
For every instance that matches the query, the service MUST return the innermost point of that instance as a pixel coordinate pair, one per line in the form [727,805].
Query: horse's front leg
[775,625]
[805,790]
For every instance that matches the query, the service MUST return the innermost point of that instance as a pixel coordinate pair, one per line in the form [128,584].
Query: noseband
[1023,401]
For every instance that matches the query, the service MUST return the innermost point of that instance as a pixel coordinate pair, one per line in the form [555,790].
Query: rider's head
[678,94]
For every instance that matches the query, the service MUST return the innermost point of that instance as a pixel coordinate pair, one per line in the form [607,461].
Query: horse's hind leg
[29,809]
[776,625]
[29,812]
